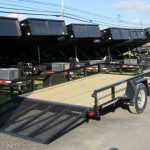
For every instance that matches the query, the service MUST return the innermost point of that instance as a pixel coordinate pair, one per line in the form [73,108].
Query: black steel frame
[113,99]
[68,109]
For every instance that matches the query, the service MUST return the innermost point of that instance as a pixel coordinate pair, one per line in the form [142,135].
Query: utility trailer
[46,114]
[136,39]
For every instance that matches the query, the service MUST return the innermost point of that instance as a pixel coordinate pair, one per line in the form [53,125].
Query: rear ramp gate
[39,121]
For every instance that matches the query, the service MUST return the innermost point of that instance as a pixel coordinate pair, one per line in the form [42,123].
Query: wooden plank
[78,92]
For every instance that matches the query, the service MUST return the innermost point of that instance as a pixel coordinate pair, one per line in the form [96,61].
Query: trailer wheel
[140,99]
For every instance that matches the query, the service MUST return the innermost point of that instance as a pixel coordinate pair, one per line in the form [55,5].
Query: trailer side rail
[46,77]
[98,106]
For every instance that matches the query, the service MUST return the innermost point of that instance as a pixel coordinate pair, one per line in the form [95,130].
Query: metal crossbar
[118,83]
[32,119]
[25,111]
[34,132]
[122,89]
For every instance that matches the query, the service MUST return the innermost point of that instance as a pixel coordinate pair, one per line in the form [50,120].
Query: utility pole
[141,24]
[62,10]
[119,20]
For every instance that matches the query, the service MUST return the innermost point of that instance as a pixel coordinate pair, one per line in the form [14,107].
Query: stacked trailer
[9,28]
[136,39]
[43,27]
[119,40]
[43,37]
[10,32]
[113,36]
[83,41]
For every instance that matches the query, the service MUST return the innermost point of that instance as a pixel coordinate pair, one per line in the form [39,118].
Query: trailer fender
[132,86]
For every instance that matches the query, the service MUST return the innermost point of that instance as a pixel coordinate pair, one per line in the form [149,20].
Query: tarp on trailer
[43,27]
[83,31]
[9,27]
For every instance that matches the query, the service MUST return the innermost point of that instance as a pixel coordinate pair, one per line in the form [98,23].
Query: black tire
[140,100]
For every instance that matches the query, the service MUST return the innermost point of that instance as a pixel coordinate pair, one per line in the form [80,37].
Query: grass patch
[129,73]
[38,84]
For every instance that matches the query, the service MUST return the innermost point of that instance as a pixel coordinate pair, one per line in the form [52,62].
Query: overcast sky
[118,12]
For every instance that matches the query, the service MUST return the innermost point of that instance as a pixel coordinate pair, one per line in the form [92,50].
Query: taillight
[66,73]
[4,82]
[91,113]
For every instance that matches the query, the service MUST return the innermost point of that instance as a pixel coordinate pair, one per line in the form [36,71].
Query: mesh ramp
[40,121]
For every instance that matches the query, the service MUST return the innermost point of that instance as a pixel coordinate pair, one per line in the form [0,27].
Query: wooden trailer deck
[78,92]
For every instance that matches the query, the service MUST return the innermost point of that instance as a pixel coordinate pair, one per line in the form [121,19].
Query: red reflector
[91,113]
[50,72]
[66,74]
[2,82]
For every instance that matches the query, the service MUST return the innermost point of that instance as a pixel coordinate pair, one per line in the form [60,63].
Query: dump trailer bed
[78,92]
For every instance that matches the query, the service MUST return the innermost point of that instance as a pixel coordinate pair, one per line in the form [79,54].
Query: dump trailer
[43,27]
[83,41]
[10,28]
[83,31]
[120,40]
[46,114]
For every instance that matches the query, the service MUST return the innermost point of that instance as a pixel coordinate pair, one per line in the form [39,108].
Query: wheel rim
[141,98]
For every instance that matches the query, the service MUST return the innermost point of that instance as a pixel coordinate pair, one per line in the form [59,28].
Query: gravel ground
[119,130]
